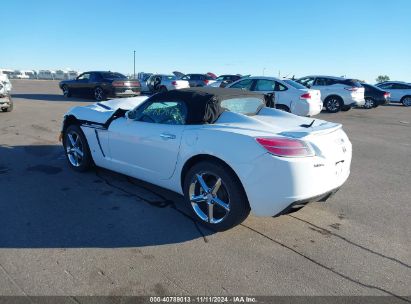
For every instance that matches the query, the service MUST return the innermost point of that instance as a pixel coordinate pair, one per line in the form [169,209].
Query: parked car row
[40,74]
[306,96]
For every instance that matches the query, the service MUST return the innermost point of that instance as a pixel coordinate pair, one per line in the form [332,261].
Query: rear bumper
[306,108]
[273,184]
[125,92]
[301,203]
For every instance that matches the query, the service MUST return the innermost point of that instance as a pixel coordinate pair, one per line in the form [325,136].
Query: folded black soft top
[204,104]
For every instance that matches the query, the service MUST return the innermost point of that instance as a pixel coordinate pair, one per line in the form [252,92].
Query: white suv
[337,94]
[400,91]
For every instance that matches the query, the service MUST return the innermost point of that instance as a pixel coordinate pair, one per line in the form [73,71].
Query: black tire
[346,108]
[86,160]
[99,94]
[282,108]
[230,191]
[66,91]
[406,101]
[333,104]
[369,103]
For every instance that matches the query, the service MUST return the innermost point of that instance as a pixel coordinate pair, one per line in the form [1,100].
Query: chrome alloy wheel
[98,94]
[333,104]
[74,149]
[407,101]
[210,203]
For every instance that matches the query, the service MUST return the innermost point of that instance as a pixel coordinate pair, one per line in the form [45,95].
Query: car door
[399,91]
[81,83]
[272,86]
[146,144]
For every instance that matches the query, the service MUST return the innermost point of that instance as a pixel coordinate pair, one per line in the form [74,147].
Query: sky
[356,38]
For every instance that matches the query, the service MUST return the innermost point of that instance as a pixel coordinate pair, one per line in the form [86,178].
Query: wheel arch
[334,95]
[70,120]
[405,96]
[207,157]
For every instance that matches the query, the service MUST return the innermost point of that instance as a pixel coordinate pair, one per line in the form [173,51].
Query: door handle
[167,136]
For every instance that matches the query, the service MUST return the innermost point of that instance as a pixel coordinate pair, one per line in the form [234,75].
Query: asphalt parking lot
[100,233]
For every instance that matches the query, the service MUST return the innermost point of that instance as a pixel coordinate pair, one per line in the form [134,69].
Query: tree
[382,78]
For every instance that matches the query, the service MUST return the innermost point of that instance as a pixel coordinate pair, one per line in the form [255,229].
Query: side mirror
[130,115]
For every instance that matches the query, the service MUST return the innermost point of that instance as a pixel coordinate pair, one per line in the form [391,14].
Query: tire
[369,103]
[346,108]
[66,91]
[333,104]
[76,149]
[282,108]
[406,101]
[229,204]
[99,94]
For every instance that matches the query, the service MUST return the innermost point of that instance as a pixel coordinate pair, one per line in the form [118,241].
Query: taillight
[134,83]
[206,81]
[387,94]
[174,83]
[305,96]
[286,147]
[118,84]
[352,89]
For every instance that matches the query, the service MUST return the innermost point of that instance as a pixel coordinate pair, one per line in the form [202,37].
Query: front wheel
[406,101]
[66,91]
[215,195]
[76,148]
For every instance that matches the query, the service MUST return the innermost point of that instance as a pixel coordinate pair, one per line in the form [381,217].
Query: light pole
[134,77]
[263,71]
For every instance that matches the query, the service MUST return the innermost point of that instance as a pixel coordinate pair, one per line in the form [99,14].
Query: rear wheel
[99,94]
[77,149]
[333,104]
[406,101]
[215,195]
[346,108]
[369,103]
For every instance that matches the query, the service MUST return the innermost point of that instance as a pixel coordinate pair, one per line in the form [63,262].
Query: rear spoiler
[321,129]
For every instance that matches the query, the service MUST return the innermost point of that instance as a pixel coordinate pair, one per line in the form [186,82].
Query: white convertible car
[223,149]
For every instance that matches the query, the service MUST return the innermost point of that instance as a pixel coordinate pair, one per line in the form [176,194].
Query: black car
[197,80]
[374,96]
[101,85]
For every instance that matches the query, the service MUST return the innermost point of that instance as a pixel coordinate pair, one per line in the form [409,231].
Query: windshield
[247,106]
[294,84]
[169,77]
[109,75]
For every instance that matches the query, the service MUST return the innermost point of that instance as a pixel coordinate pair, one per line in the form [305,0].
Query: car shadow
[50,97]
[44,204]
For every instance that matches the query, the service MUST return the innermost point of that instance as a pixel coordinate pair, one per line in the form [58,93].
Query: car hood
[101,112]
